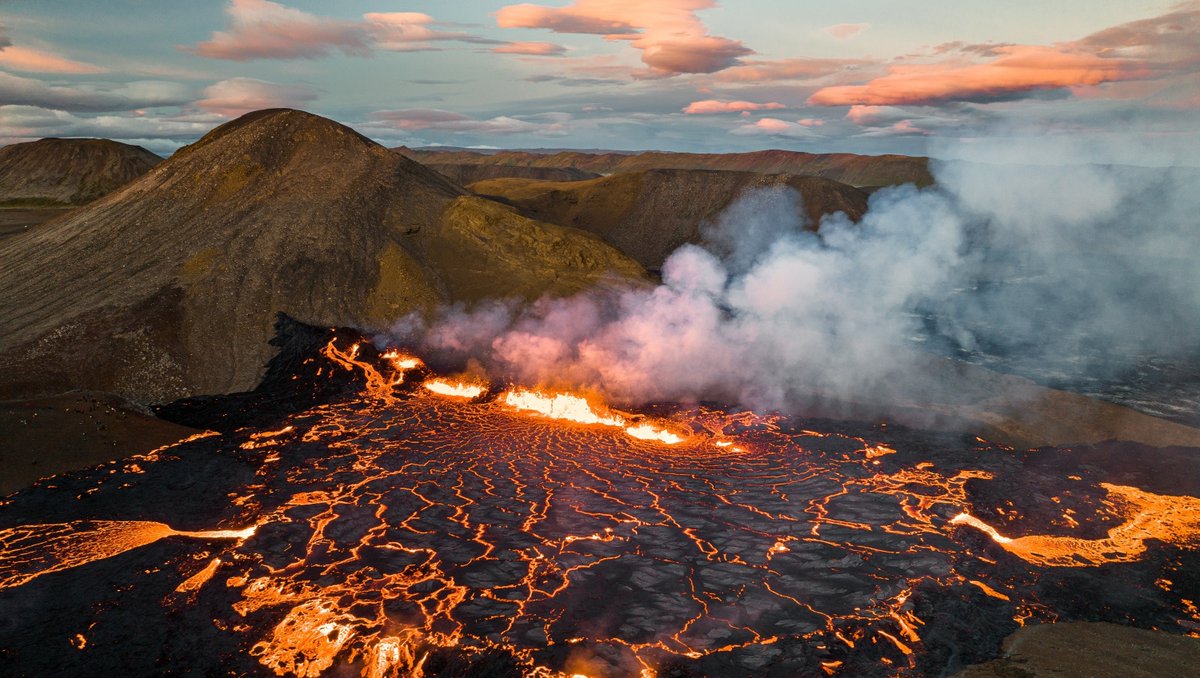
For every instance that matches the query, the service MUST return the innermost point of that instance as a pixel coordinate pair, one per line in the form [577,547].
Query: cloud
[161,135]
[236,96]
[1016,73]
[16,90]
[411,32]
[843,31]
[1150,49]
[875,115]
[436,119]
[32,60]
[530,48]
[711,106]
[788,69]
[669,34]
[777,128]
[261,29]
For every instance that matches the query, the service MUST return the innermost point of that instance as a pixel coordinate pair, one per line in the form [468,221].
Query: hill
[866,171]
[650,213]
[469,173]
[170,286]
[68,171]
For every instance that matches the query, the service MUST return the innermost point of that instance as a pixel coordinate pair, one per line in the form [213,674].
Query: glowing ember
[454,389]
[559,406]
[650,432]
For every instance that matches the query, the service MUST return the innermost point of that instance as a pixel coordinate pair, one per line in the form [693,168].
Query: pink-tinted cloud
[1018,71]
[1150,49]
[874,115]
[669,34]
[261,29]
[28,59]
[774,127]
[810,122]
[530,48]
[788,69]
[843,31]
[236,96]
[712,106]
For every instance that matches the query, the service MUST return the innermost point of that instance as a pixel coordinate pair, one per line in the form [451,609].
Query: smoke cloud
[1082,266]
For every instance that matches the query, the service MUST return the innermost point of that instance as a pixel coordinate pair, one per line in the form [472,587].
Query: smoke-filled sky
[868,76]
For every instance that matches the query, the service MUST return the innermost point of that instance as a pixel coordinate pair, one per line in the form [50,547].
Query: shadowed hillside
[649,214]
[469,173]
[170,286]
[848,168]
[68,171]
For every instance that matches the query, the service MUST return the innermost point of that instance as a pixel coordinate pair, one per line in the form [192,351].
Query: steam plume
[1086,266]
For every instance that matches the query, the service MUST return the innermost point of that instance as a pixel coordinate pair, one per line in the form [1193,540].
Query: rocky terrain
[169,286]
[51,172]
[856,170]
[469,173]
[648,214]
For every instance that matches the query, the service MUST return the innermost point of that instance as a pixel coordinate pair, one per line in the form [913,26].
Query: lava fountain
[365,516]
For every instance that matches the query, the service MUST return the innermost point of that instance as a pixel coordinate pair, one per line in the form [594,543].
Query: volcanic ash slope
[170,286]
[650,213]
[68,171]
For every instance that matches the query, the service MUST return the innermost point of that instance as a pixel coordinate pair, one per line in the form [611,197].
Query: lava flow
[416,525]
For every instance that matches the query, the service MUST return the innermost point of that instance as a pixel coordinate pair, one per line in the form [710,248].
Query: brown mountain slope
[170,286]
[469,173]
[648,214]
[69,171]
[856,170]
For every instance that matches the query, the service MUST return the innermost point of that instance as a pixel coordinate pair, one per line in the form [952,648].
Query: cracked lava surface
[413,526]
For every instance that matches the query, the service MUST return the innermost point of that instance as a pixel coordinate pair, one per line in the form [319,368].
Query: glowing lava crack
[420,527]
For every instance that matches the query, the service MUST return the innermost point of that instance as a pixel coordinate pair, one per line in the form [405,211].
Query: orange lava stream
[30,551]
[1174,520]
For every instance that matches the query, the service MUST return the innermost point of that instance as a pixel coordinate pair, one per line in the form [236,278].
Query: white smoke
[1053,261]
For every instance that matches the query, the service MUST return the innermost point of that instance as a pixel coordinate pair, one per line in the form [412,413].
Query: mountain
[865,171]
[69,171]
[650,213]
[170,286]
[469,173]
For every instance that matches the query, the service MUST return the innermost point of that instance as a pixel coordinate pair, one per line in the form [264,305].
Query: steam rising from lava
[1079,264]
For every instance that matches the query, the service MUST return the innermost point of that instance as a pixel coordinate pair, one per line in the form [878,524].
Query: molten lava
[455,389]
[418,527]
[563,406]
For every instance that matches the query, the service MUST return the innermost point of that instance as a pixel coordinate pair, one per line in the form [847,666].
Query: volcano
[69,171]
[169,286]
[649,214]
[348,518]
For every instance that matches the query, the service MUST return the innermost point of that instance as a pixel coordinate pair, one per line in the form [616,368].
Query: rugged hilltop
[69,171]
[649,214]
[170,286]
[866,171]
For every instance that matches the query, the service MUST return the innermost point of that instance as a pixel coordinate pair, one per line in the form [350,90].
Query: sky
[861,76]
